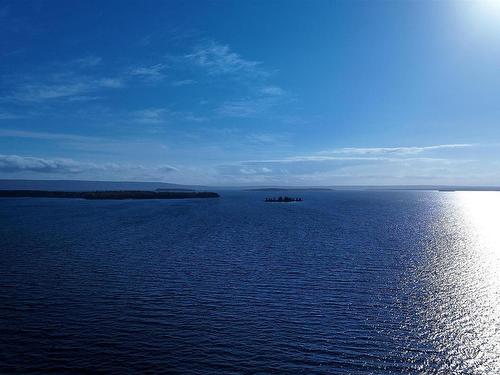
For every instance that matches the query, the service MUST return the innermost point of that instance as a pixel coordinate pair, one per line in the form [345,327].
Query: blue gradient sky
[257,92]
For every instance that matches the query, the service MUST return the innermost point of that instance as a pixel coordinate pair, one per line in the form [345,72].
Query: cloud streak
[87,62]
[344,171]
[245,108]
[375,165]
[184,82]
[74,80]
[219,59]
[152,73]
[387,154]
[63,166]
[258,104]
[395,150]
[273,91]
[44,135]
[155,116]
[151,115]
[76,88]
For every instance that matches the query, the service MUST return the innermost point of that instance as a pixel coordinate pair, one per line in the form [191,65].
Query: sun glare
[483,17]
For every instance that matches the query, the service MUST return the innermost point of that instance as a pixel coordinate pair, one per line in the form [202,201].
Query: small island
[118,194]
[284,199]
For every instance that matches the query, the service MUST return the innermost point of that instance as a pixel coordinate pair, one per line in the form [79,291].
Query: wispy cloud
[269,139]
[72,80]
[273,91]
[259,95]
[165,115]
[151,115]
[220,59]
[250,107]
[184,82]
[82,80]
[76,88]
[41,92]
[191,117]
[394,150]
[319,158]
[87,61]
[12,133]
[115,147]
[370,154]
[244,108]
[361,165]
[112,83]
[152,73]
[259,103]
[377,170]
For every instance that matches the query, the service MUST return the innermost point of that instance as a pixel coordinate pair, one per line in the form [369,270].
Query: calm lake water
[344,282]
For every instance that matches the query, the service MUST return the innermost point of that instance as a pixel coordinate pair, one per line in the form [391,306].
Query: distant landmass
[119,194]
[82,185]
[85,186]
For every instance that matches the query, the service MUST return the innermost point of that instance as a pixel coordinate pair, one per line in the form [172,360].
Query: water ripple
[345,282]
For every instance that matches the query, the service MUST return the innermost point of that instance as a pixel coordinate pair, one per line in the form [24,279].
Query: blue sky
[251,93]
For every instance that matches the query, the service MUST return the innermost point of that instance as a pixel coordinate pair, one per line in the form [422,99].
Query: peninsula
[118,194]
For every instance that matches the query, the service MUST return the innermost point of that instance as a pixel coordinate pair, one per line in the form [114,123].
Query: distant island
[117,194]
[284,199]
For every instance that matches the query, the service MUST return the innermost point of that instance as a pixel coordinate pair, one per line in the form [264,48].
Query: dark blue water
[344,282]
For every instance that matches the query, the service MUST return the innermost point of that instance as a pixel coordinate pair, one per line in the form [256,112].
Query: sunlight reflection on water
[461,306]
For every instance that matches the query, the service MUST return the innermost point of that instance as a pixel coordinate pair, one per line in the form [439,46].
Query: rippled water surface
[344,282]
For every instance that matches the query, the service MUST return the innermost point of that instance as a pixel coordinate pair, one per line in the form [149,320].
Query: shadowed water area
[343,282]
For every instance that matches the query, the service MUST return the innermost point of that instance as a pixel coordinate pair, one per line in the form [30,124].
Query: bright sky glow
[489,9]
[251,93]
[480,20]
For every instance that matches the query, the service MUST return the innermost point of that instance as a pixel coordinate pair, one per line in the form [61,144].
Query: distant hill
[82,185]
